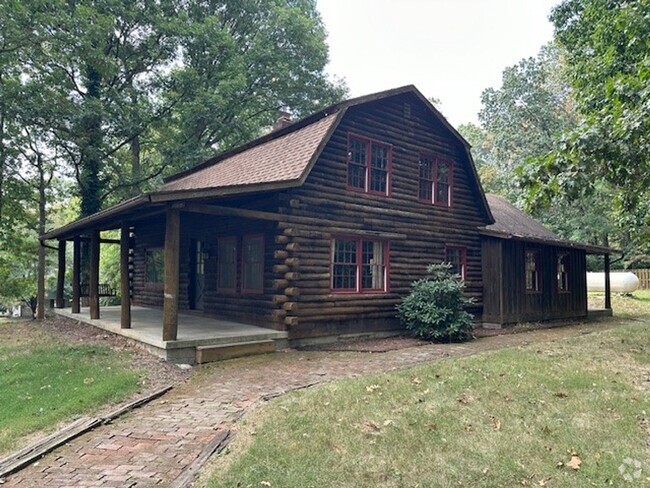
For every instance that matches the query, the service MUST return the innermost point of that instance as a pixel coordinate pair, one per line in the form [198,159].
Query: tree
[608,63]
[145,87]
[605,156]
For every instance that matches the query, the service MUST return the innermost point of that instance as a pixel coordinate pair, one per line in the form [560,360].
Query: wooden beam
[125,292]
[60,277]
[93,275]
[76,275]
[235,212]
[608,287]
[172,253]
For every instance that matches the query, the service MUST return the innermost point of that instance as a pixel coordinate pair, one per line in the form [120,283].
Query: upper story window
[457,257]
[369,165]
[359,265]
[435,180]
[563,272]
[533,269]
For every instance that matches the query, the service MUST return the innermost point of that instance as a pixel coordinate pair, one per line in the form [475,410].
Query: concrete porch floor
[193,331]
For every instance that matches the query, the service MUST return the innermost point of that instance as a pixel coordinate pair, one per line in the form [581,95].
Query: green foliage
[434,310]
[45,384]
[607,52]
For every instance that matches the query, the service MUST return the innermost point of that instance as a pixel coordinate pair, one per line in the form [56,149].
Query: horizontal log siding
[506,299]
[427,228]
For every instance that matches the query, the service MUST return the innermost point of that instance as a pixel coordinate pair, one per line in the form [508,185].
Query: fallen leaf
[486,470]
[560,394]
[416,381]
[88,381]
[496,423]
[430,426]
[372,426]
[574,463]
[387,423]
[544,481]
[265,483]
[372,388]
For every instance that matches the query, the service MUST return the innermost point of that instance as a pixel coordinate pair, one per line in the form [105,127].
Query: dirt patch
[402,342]
[369,345]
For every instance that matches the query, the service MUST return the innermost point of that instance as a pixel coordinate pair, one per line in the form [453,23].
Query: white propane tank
[620,281]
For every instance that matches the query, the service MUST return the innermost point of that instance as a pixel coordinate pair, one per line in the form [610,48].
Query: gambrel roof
[280,159]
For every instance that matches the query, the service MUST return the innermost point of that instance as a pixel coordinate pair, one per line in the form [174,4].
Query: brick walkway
[152,445]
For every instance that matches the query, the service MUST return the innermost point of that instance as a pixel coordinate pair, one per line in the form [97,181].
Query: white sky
[448,49]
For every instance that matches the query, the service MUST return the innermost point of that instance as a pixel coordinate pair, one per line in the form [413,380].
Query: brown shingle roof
[283,159]
[512,223]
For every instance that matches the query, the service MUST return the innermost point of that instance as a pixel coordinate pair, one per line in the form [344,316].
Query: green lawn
[44,381]
[517,417]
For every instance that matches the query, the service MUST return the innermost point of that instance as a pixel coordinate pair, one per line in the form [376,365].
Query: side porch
[200,339]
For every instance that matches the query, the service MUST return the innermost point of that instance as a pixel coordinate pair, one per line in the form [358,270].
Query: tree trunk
[91,152]
[40,300]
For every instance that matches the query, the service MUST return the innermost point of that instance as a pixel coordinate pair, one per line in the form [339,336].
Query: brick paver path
[151,446]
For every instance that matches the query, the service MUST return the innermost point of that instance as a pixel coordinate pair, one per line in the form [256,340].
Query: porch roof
[512,223]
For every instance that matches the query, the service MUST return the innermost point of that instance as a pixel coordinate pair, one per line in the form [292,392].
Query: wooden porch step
[221,352]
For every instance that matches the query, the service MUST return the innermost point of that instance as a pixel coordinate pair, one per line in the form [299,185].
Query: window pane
[357,163]
[155,266]
[532,271]
[454,257]
[379,157]
[426,179]
[378,180]
[373,266]
[226,263]
[563,272]
[253,263]
[344,260]
[443,182]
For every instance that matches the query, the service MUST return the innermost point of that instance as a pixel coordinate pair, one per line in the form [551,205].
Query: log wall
[425,229]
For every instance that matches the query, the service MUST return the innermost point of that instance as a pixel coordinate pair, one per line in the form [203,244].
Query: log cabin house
[317,230]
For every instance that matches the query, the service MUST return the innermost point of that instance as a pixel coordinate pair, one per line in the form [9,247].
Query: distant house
[319,228]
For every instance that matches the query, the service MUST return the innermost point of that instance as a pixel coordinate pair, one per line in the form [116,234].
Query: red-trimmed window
[227,264]
[435,180]
[359,265]
[457,257]
[252,264]
[369,165]
[533,283]
[563,272]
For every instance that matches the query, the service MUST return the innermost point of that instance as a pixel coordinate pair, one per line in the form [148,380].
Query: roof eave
[96,219]
[590,249]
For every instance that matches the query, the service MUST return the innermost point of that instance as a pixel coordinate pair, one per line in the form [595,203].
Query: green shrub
[434,310]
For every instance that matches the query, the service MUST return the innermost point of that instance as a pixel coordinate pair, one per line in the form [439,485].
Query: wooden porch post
[60,277]
[93,275]
[125,291]
[608,287]
[172,252]
[76,275]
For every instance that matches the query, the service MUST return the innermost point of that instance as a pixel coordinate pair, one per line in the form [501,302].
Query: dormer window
[435,181]
[369,164]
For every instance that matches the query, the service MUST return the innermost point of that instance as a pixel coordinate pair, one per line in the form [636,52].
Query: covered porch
[199,339]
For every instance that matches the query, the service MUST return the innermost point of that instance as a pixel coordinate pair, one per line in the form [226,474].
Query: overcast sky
[448,49]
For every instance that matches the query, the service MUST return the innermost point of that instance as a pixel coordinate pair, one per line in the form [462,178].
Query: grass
[507,418]
[44,381]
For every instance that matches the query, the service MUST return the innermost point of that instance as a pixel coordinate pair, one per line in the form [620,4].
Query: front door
[197,274]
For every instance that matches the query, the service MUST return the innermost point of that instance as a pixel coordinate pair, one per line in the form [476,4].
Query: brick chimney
[284,120]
